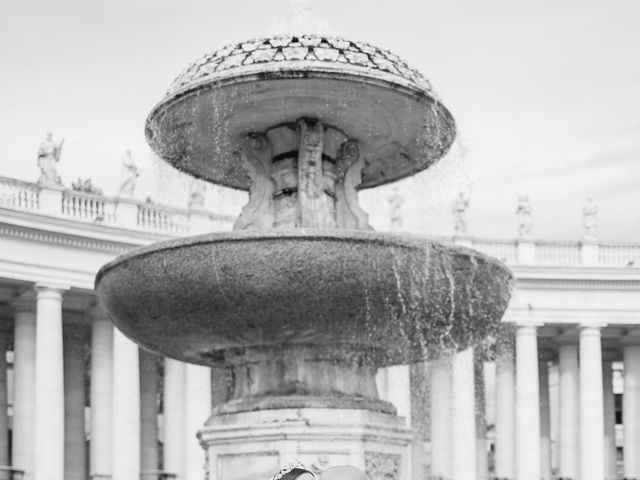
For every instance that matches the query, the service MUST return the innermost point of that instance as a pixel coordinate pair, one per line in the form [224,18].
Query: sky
[546,96]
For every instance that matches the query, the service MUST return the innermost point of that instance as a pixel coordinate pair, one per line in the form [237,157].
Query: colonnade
[585,446]
[49,430]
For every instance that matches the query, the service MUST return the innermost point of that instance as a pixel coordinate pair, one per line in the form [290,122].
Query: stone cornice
[14,221]
[612,284]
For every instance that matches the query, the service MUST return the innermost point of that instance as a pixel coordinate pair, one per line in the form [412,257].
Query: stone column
[4,419]
[101,393]
[174,412]
[440,410]
[24,377]
[381,383]
[610,453]
[482,461]
[527,404]
[545,418]
[505,414]
[74,402]
[569,411]
[49,398]
[126,409]
[399,390]
[463,428]
[197,411]
[591,408]
[148,412]
[631,405]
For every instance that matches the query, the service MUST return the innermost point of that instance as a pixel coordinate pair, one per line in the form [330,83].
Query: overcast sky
[546,95]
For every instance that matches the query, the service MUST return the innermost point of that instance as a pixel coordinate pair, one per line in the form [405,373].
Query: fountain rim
[302,234]
[304,69]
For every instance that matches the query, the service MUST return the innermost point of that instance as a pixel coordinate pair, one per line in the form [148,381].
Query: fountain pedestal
[253,445]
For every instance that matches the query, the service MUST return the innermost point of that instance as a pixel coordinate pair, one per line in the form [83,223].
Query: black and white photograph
[320,240]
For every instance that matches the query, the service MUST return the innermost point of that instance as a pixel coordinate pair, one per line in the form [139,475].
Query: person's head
[343,472]
[294,471]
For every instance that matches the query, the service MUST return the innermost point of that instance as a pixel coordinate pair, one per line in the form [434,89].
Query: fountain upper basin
[396,298]
[367,93]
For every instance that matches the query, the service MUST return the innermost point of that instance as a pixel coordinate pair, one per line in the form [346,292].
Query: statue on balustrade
[130,174]
[525,217]
[85,186]
[460,206]
[395,205]
[48,158]
[590,220]
[196,194]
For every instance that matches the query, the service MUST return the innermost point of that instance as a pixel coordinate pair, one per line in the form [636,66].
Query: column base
[250,445]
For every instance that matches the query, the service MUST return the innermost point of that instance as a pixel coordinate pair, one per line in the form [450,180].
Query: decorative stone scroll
[382,466]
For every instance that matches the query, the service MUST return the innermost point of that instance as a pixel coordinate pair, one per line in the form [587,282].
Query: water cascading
[303,302]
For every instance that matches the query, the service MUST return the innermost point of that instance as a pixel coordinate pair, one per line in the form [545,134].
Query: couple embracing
[297,471]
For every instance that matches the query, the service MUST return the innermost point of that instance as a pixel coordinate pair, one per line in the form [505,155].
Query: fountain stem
[302,175]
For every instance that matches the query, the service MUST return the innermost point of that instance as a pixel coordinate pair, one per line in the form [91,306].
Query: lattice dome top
[312,49]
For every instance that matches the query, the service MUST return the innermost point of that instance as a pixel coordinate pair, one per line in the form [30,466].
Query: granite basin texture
[368,93]
[388,299]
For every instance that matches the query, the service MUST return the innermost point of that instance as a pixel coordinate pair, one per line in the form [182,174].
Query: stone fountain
[303,302]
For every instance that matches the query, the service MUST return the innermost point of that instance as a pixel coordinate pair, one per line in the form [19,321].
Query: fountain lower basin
[393,299]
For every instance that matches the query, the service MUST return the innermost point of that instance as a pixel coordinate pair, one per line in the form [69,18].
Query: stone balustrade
[10,473]
[150,217]
[556,253]
[97,209]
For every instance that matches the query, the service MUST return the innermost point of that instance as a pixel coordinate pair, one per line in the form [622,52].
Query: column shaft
[482,460]
[505,416]
[568,438]
[631,410]
[591,408]
[126,409]
[4,419]
[382,384]
[440,424]
[74,428]
[610,454]
[149,459]
[545,421]
[399,390]
[463,418]
[174,413]
[101,393]
[527,404]
[24,376]
[197,411]
[49,401]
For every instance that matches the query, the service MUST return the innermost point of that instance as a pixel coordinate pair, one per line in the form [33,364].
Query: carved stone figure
[460,206]
[314,208]
[196,194]
[395,205]
[349,214]
[256,155]
[130,174]
[48,157]
[590,220]
[525,218]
